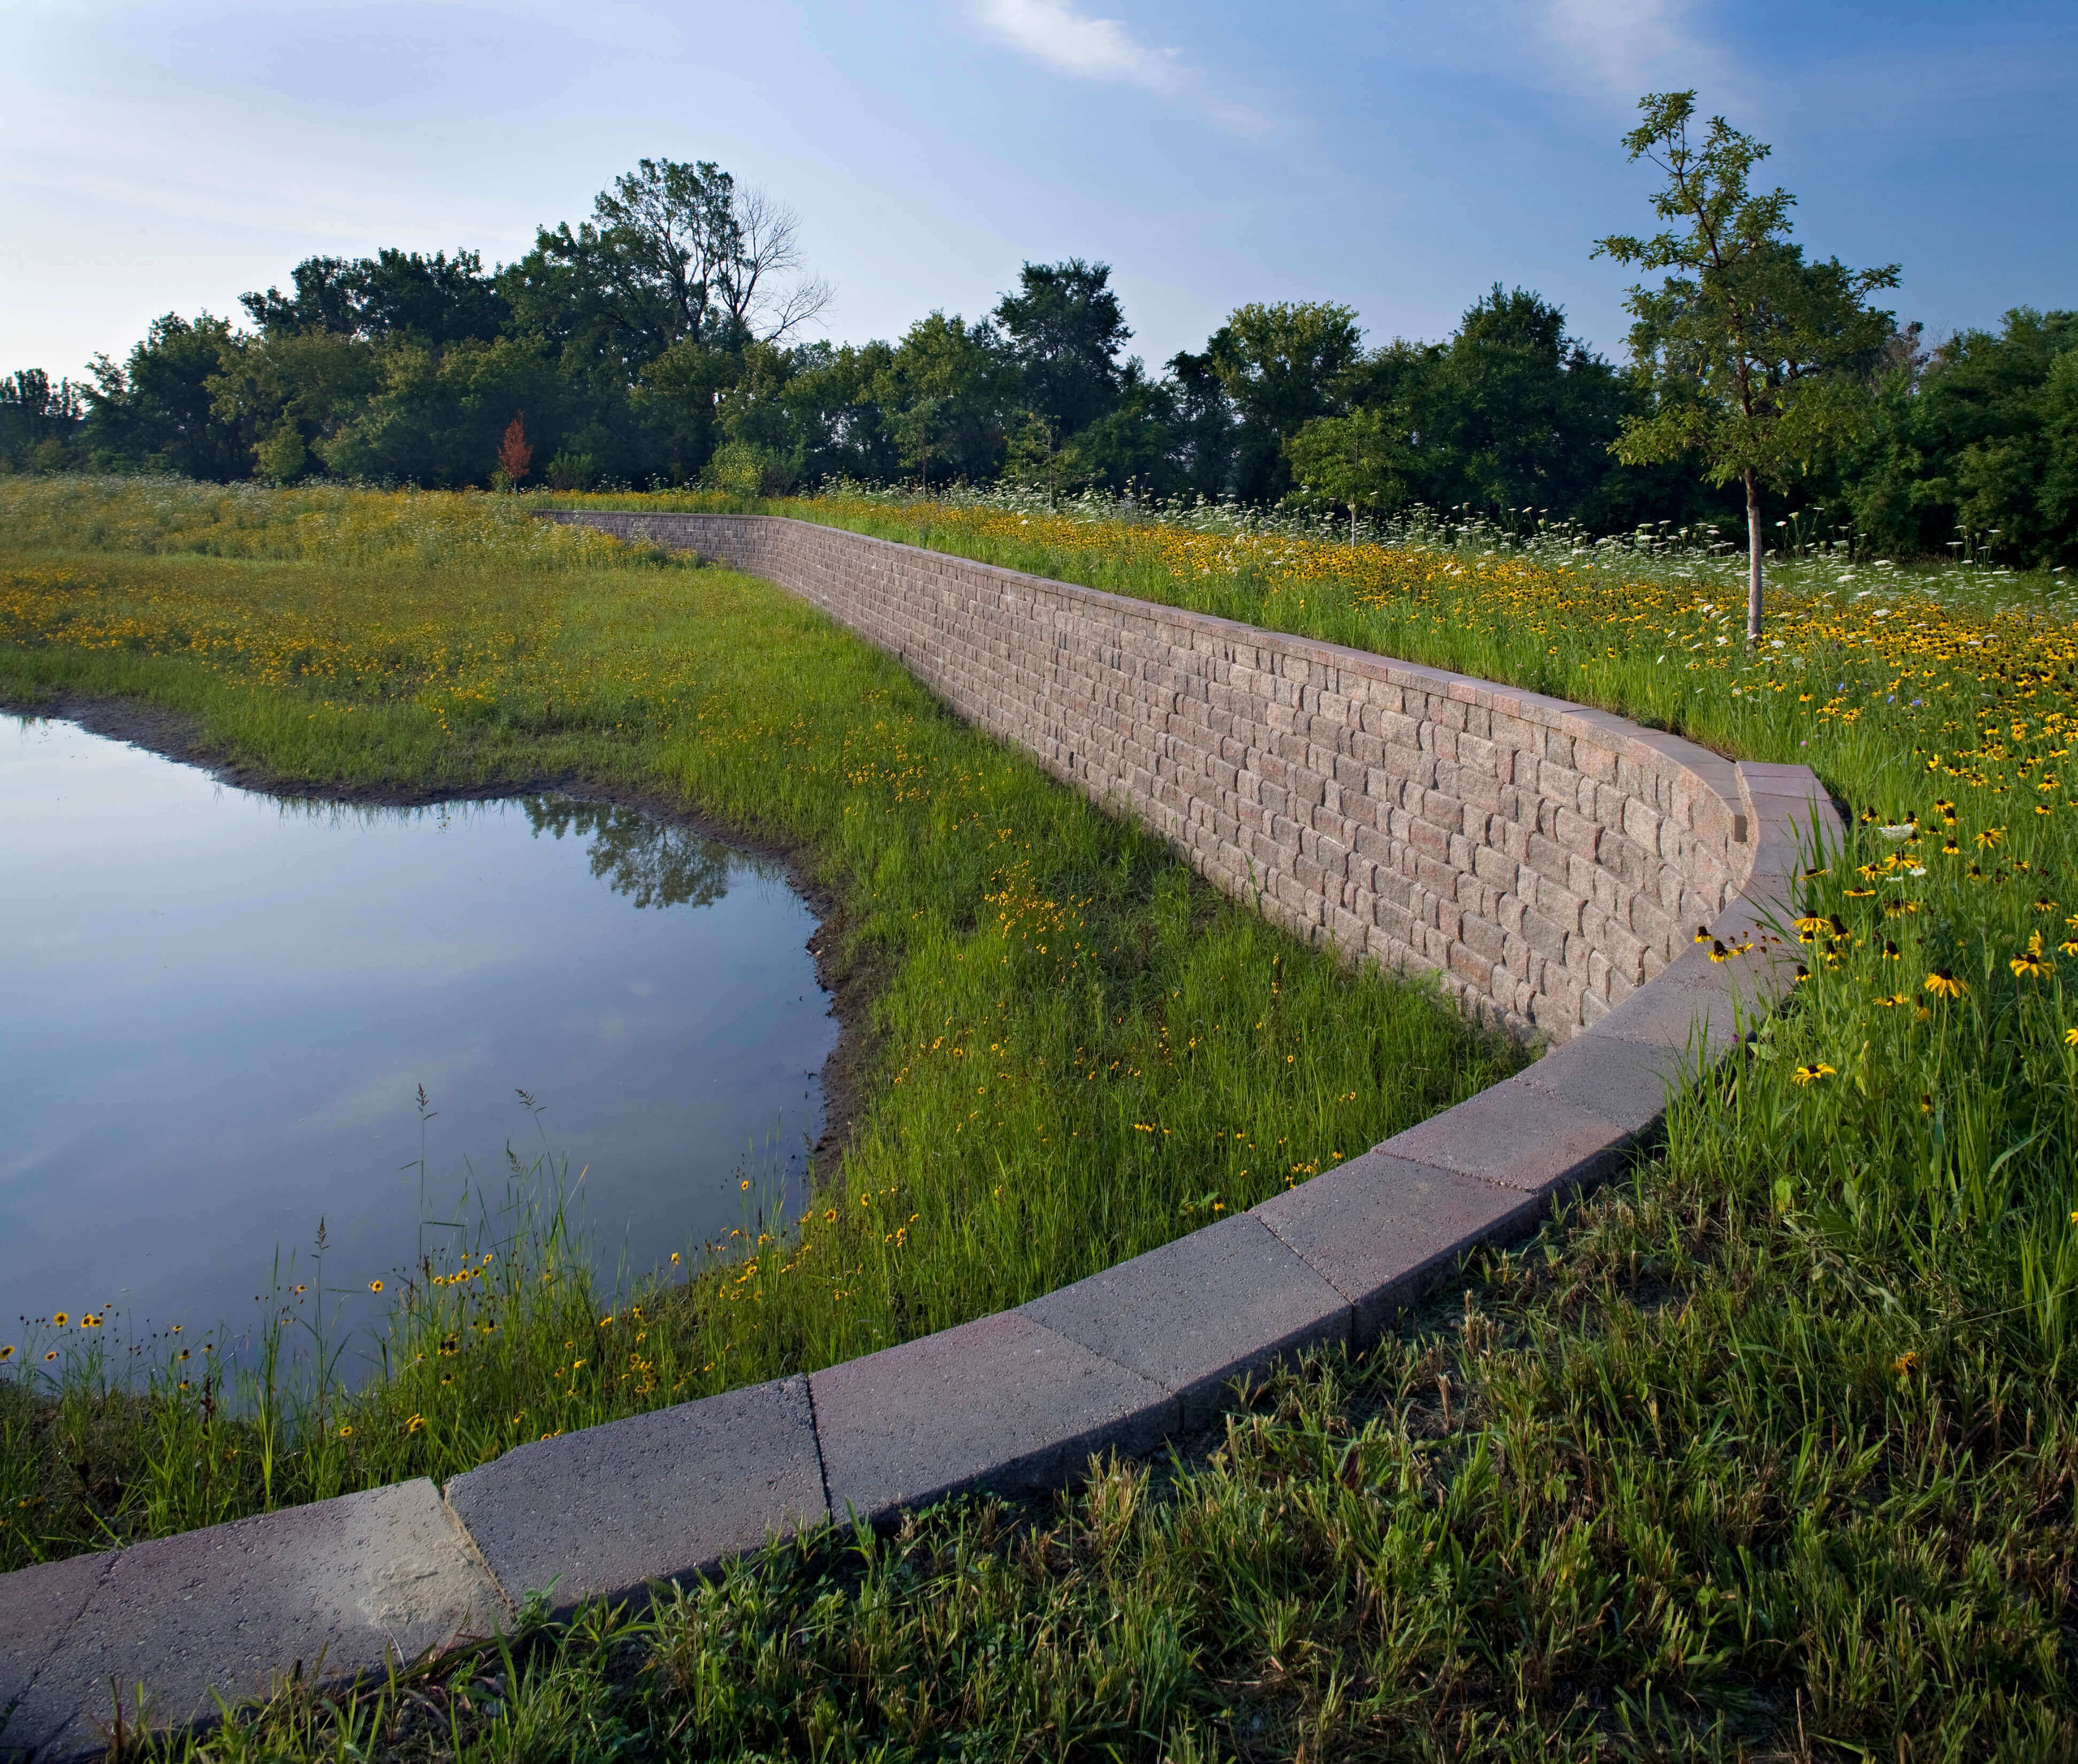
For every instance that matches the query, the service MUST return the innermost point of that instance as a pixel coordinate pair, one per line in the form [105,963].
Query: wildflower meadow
[1767,1449]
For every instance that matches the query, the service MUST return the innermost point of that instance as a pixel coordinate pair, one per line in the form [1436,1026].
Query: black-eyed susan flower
[1989,837]
[7,1353]
[1812,1073]
[49,1357]
[1944,985]
[2070,1037]
[2030,963]
[375,1286]
[62,1318]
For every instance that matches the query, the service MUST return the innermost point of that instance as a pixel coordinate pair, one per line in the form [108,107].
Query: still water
[217,1007]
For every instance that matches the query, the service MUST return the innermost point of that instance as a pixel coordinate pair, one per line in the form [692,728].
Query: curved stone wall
[1547,858]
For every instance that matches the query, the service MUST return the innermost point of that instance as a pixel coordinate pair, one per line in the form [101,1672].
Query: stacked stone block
[1543,860]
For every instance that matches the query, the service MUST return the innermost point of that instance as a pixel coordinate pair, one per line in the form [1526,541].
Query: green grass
[1073,1049]
[1653,1488]
[1768,1451]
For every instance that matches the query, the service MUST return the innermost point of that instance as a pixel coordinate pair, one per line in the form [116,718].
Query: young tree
[1354,461]
[1752,354]
[515,454]
[944,397]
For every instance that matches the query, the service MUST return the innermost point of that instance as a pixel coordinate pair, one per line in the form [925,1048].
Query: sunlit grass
[1768,1451]
[1076,1050]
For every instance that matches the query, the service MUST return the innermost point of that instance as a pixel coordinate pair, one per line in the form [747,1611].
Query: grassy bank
[1767,1452]
[1073,1049]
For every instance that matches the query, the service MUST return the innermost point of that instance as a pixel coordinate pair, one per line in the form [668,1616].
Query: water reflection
[217,1008]
[653,864]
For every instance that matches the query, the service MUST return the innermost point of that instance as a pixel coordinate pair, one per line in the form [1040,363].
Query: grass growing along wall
[1079,1050]
[1767,1452]
[1925,1075]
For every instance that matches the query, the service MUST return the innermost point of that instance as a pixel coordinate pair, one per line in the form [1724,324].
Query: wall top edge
[1657,751]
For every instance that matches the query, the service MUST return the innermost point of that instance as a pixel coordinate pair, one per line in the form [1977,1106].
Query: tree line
[658,342]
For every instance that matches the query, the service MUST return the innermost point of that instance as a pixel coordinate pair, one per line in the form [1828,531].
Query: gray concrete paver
[1382,1229]
[1198,1313]
[1518,1137]
[1001,1403]
[602,1512]
[350,1582]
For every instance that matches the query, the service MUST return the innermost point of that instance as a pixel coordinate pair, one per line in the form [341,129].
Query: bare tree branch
[768,250]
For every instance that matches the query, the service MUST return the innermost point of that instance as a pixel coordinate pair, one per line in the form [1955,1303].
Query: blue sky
[1399,157]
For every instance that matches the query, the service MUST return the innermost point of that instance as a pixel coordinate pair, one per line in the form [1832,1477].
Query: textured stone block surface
[1625,1083]
[386,1574]
[1194,1314]
[1003,1404]
[39,1609]
[1398,813]
[1518,1137]
[658,1497]
[1381,1229]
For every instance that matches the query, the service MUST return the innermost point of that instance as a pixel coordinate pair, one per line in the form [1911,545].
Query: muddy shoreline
[850,984]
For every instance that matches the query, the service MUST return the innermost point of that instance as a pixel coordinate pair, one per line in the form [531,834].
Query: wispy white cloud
[1054,33]
[1625,48]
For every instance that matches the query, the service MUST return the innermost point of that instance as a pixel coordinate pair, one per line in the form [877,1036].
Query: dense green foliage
[657,344]
[1756,359]
[1068,1049]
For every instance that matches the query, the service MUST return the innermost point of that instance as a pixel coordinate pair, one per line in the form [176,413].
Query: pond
[218,1009]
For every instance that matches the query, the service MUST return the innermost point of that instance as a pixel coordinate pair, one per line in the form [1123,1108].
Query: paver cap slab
[657,1496]
[1380,1228]
[1001,1403]
[39,1609]
[358,1580]
[1517,1135]
[1199,1312]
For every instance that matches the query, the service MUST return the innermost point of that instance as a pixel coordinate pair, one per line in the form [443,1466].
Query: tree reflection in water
[653,864]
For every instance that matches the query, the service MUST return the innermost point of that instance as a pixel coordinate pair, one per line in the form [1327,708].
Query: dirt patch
[852,981]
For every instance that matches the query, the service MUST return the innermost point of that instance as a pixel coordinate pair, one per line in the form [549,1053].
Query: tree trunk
[1752,560]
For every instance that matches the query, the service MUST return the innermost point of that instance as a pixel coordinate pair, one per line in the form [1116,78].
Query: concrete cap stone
[358,1580]
[1381,1229]
[1197,1314]
[1691,1008]
[1519,1136]
[38,1607]
[602,1512]
[1002,1403]
[1627,1082]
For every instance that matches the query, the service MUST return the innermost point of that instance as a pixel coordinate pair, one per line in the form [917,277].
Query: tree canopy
[663,339]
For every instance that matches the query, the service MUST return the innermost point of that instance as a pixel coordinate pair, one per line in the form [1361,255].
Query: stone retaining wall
[1545,859]
[1544,856]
